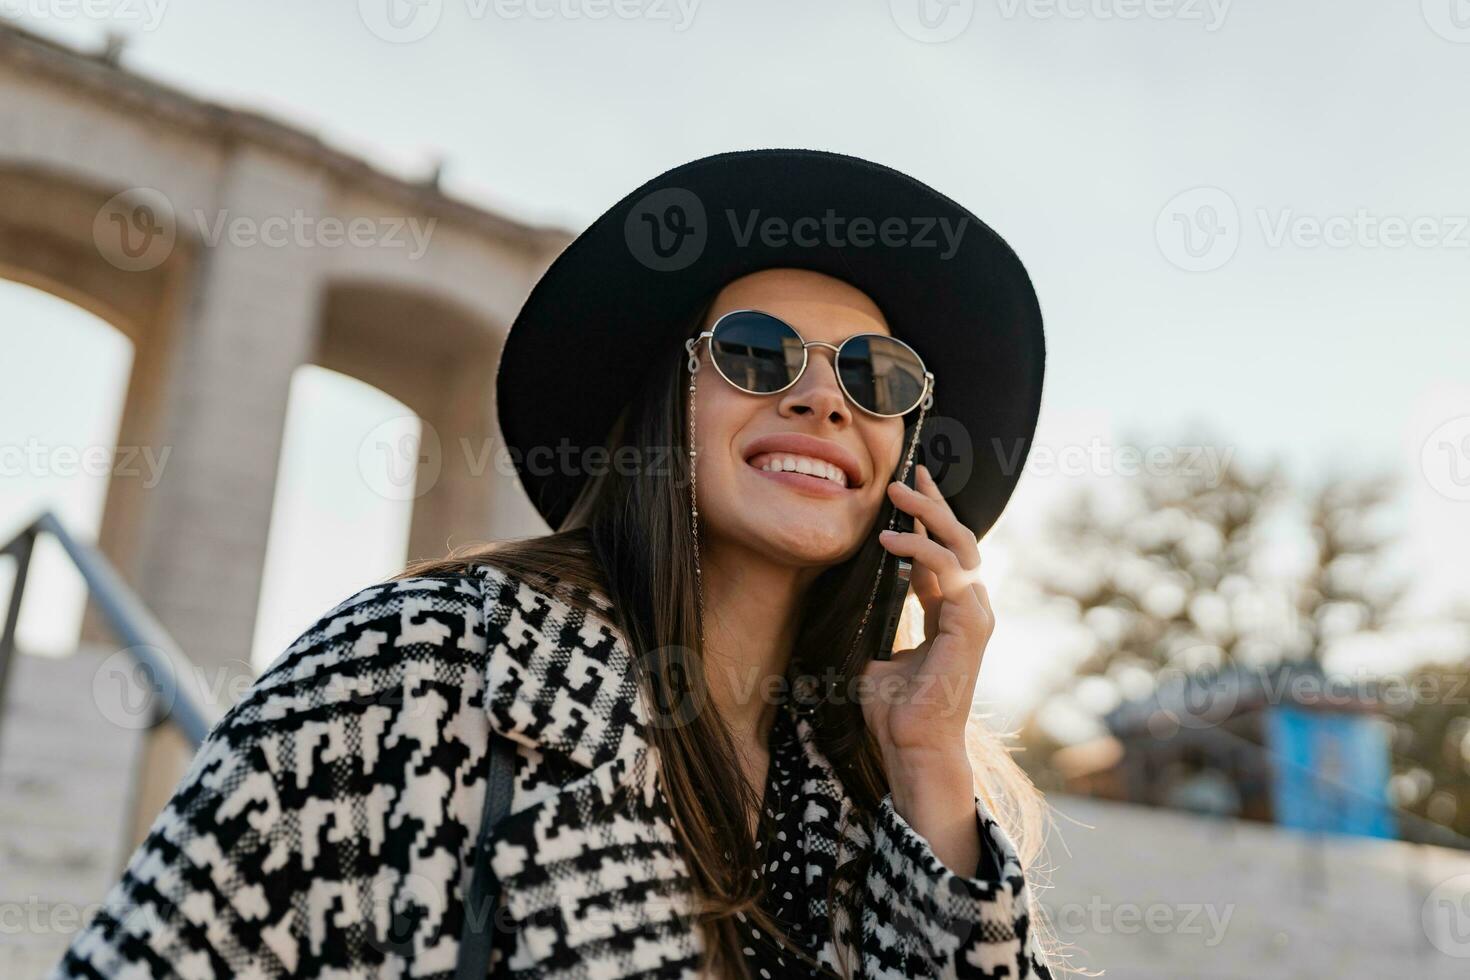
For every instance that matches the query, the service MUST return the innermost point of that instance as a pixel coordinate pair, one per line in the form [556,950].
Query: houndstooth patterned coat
[326,826]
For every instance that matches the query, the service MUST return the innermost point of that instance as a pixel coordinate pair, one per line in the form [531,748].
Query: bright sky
[1243,220]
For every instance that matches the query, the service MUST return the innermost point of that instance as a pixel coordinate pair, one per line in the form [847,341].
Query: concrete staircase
[69,756]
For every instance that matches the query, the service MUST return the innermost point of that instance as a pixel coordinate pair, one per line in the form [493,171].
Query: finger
[956,583]
[925,582]
[939,520]
[935,591]
[930,488]
[984,595]
[965,616]
[925,585]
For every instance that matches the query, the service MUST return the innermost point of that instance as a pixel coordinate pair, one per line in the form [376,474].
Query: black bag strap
[478,936]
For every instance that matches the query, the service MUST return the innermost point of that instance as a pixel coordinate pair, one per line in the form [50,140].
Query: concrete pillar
[456,507]
[251,321]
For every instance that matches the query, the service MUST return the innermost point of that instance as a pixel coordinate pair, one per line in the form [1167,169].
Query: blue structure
[1331,771]
[1279,743]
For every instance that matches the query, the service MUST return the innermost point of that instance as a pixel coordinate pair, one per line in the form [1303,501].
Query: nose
[818,393]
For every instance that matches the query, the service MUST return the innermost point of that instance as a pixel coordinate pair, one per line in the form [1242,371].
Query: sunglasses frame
[925,399]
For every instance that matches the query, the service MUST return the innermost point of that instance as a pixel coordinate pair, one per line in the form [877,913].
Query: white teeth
[806,464]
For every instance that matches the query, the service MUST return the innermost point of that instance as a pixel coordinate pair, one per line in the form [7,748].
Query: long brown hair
[629,538]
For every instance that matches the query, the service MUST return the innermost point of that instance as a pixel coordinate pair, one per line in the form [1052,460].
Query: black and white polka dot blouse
[784,896]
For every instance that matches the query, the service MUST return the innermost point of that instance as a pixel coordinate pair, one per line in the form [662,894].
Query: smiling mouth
[819,472]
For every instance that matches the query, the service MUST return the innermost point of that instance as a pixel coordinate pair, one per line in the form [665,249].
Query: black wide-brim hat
[620,297]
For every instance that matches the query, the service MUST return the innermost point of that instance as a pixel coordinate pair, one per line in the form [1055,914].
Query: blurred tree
[1155,577]
[1211,565]
[1343,593]
[1432,745]
[1202,563]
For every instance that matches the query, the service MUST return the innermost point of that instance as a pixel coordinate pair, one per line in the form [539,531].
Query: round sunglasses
[761,354]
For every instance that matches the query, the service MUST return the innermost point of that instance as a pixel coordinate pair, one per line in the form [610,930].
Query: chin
[806,543]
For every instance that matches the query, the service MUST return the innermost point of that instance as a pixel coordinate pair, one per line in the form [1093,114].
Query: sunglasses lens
[756,351]
[881,374]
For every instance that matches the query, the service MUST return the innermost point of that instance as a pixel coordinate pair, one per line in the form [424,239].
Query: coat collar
[562,680]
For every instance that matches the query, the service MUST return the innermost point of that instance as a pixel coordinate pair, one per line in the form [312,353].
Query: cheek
[886,446]
[719,414]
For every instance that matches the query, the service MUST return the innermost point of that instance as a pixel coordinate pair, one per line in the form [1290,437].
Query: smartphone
[893,584]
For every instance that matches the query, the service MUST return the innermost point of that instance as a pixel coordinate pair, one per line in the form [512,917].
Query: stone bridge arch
[438,358]
[220,321]
[48,240]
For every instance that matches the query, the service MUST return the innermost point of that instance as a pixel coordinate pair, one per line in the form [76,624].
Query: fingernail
[886,533]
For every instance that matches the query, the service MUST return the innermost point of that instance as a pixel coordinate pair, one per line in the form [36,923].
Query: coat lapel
[588,863]
[561,676]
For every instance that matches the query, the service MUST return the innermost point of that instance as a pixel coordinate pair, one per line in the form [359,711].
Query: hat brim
[616,300]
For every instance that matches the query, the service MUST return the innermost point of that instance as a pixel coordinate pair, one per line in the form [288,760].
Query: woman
[713,773]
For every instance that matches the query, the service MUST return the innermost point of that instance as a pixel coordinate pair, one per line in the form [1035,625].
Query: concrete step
[70,747]
[35,954]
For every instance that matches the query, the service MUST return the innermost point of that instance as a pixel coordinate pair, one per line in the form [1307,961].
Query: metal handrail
[144,638]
